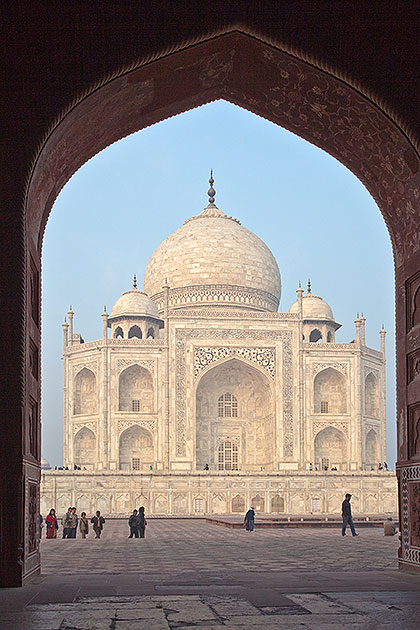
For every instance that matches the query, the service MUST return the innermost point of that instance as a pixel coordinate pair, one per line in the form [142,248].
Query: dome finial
[135,282]
[309,286]
[211,192]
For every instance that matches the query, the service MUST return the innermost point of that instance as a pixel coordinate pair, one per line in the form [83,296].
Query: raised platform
[293,522]
[214,493]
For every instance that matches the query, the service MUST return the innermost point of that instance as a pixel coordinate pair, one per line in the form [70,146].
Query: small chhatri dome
[213,260]
[134,303]
[45,464]
[313,306]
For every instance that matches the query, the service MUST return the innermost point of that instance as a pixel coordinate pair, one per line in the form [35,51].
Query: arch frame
[391,175]
[205,372]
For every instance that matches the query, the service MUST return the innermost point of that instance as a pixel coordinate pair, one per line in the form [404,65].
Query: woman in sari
[52,524]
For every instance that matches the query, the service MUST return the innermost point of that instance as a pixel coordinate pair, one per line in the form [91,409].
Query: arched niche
[151,333]
[118,333]
[136,450]
[135,390]
[371,449]
[315,336]
[371,396]
[234,404]
[238,504]
[135,332]
[84,450]
[277,503]
[330,449]
[330,392]
[84,393]
[258,503]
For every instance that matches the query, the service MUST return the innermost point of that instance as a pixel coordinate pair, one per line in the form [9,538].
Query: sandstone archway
[347,114]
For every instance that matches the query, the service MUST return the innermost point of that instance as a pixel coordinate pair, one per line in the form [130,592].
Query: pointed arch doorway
[288,91]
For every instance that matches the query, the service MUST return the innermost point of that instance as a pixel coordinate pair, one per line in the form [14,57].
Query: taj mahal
[201,398]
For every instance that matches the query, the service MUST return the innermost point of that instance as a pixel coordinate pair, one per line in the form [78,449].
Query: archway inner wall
[289,92]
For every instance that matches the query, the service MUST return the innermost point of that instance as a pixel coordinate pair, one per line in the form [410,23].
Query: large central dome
[213,260]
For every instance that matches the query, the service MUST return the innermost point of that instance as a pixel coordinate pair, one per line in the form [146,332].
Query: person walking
[134,523]
[347,517]
[249,520]
[98,523]
[83,525]
[65,521]
[142,522]
[73,520]
[52,524]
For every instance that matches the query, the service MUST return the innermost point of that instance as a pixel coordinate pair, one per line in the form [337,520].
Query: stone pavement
[190,574]
[194,545]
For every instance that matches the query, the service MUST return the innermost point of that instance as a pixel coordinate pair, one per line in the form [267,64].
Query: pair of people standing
[137,523]
[70,521]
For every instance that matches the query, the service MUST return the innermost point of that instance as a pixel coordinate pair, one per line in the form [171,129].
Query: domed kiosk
[317,316]
[134,314]
[213,260]
[205,399]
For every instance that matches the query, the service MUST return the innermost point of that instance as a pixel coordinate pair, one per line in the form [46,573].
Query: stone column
[65,327]
[357,322]
[167,446]
[362,330]
[301,391]
[105,324]
[104,398]
[71,315]
[383,395]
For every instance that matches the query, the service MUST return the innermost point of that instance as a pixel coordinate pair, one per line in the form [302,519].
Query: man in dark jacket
[134,524]
[98,523]
[347,518]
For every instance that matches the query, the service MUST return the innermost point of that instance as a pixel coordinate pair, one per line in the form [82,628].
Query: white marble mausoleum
[201,397]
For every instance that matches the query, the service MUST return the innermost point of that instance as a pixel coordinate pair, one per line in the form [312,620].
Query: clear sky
[317,218]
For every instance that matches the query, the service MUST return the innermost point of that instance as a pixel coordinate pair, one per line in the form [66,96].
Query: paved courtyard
[191,574]
[194,545]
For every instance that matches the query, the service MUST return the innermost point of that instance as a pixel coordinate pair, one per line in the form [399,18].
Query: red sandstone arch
[258,75]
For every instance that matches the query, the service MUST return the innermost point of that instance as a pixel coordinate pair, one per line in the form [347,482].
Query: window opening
[228,456]
[134,332]
[119,333]
[325,463]
[316,504]
[136,463]
[135,405]
[324,406]
[227,406]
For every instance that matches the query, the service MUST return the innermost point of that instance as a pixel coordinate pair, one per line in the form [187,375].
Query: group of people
[71,522]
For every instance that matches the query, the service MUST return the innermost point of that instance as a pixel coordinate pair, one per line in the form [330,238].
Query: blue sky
[317,218]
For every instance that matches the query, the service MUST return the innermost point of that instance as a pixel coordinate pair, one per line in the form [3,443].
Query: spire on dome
[135,282]
[309,286]
[211,192]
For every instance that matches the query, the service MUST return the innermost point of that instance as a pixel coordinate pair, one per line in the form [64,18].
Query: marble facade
[201,371]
